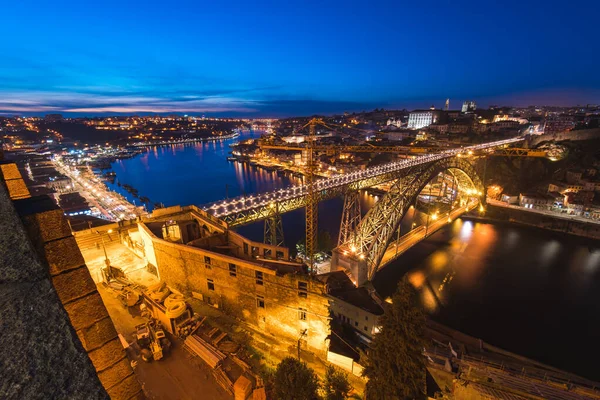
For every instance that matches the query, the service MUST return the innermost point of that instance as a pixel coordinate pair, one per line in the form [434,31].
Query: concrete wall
[184,268]
[148,245]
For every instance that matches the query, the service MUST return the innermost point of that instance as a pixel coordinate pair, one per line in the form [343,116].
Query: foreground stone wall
[276,307]
[56,338]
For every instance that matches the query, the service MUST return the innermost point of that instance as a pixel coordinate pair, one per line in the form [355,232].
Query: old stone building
[197,254]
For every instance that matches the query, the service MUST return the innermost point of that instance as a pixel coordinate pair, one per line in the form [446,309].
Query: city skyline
[274,60]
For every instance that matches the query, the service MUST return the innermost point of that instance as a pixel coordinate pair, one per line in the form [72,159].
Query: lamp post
[433,217]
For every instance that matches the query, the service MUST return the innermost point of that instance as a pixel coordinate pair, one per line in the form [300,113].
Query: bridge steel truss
[324,189]
[273,233]
[350,216]
[244,217]
[377,229]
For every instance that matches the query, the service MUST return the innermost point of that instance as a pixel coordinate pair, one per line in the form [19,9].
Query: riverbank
[185,141]
[559,224]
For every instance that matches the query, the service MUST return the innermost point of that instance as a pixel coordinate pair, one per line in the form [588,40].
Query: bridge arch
[364,250]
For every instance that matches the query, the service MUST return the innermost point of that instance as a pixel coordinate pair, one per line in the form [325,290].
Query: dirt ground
[179,375]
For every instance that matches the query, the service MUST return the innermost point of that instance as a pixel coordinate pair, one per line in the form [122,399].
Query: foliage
[294,380]
[336,385]
[395,365]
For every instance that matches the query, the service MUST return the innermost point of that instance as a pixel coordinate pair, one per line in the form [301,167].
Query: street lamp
[433,217]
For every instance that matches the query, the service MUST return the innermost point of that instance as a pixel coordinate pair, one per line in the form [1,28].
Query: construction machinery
[152,340]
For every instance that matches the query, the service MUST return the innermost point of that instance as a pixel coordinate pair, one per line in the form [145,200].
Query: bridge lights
[353,249]
[362,256]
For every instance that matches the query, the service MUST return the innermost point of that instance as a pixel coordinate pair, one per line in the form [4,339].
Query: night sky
[279,58]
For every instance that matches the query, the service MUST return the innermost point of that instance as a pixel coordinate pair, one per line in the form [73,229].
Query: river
[529,291]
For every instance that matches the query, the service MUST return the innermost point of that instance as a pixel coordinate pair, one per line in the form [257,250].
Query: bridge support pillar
[273,233]
[354,266]
[350,216]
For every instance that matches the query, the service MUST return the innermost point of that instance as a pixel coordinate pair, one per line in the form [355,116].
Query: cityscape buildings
[280,201]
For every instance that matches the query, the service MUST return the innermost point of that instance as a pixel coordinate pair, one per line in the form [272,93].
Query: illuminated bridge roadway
[247,209]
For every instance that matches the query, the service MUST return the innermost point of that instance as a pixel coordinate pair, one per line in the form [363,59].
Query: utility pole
[311,199]
[299,339]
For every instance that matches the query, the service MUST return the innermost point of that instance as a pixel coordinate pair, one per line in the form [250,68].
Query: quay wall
[556,224]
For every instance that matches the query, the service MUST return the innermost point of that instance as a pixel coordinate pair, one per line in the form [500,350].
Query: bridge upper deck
[246,209]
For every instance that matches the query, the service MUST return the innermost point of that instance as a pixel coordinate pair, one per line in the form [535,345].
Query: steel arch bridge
[362,252]
[247,209]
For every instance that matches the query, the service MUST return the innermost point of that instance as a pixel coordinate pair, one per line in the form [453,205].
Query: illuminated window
[260,302]
[211,284]
[303,289]
[302,314]
[207,262]
[232,270]
[259,277]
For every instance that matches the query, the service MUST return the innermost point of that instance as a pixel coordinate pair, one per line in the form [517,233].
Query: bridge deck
[413,237]
[246,209]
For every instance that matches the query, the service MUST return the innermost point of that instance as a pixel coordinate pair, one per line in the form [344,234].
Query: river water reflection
[525,290]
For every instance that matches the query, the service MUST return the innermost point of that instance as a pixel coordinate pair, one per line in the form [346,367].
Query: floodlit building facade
[423,118]
[199,255]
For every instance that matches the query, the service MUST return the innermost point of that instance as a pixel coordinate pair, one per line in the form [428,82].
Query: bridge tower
[350,216]
[312,202]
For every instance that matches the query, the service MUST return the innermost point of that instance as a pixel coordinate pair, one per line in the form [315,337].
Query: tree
[336,385]
[294,380]
[395,365]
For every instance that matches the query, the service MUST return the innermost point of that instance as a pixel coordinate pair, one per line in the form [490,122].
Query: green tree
[395,365]
[336,385]
[294,380]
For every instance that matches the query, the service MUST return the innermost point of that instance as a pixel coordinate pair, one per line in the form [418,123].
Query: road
[244,203]
[413,237]
[112,206]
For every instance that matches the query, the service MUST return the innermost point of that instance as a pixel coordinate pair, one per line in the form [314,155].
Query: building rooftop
[340,286]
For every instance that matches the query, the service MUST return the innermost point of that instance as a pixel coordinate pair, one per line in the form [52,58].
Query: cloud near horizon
[94,101]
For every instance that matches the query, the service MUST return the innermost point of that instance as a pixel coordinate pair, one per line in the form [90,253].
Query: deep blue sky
[277,58]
